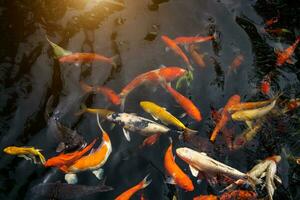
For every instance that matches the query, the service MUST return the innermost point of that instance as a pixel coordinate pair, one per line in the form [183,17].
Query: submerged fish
[193,39]
[94,161]
[177,176]
[185,103]
[233,100]
[157,76]
[69,158]
[248,105]
[134,123]
[247,135]
[164,116]
[177,50]
[86,57]
[131,191]
[239,195]
[196,55]
[66,191]
[236,63]
[106,91]
[28,153]
[206,197]
[249,115]
[70,139]
[200,163]
[285,55]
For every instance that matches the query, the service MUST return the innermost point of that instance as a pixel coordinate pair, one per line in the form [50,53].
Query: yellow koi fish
[28,153]
[100,111]
[249,115]
[164,116]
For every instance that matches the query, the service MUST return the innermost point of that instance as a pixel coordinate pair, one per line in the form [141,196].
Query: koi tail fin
[144,183]
[188,133]
[86,87]
[82,110]
[42,158]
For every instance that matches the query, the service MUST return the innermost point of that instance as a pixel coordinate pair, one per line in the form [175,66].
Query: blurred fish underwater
[67,66]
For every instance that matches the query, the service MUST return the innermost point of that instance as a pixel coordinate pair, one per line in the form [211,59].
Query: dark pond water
[29,75]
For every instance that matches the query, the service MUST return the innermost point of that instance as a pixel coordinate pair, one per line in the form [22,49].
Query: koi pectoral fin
[98,173]
[170,180]
[71,178]
[126,134]
[194,171]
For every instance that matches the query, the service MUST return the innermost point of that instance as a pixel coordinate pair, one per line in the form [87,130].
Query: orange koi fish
[239,194]
[128,193]
[237,61]
[197,57]
[69,158]
[106,91]
[85,57]
[224,116]
[151,140]
[206,197]
[193,39]
[178,177]
[176,49]
[185,103]
[285,55]
[94,161]
[265,86]
[165,74]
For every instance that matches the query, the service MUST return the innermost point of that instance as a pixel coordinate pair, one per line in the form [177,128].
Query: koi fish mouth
[184,153]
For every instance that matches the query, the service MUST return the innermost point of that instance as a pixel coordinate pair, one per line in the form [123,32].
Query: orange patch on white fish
[285,55]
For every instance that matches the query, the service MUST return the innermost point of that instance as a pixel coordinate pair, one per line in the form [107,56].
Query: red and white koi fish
[176,49]
[106,91]
[285,55]
[157,76]
[131,191]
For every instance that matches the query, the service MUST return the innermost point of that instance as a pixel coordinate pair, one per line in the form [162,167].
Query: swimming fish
[94,161]
[68,158]
[66,191]
[206,197]
[239,194]
[224,116]
[106,91]
[292,105]
[134,123]
[285,55]
[185,103]
[249,115]
[177,176]
[248,105]
[265,86]
[165,74]
[28,153]
[177,50]
[247,135]
[267,168]
[236,63]
[196,55]
[131,191]
[193,39]
[85,58]
[200,163]
[271,21]
[164,116]
[70,139]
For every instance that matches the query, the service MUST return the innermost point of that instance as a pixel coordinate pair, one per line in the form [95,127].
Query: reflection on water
[29,75]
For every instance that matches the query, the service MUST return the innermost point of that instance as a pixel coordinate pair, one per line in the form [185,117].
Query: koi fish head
[171,73]
[186,154]
[9,150]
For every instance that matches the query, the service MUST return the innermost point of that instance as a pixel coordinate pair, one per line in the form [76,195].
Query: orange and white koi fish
[176,49]
[236,63]
[194,39]
[177,176]
[86,57]
[197,57]
[185,103]
[94,161]
[224,116]
[106,91]
[239,194]
[157,76]
[285,55]
[69,158]
[206,197]
[128,193]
